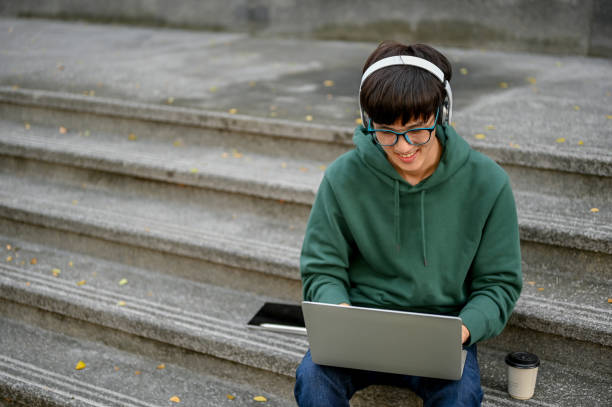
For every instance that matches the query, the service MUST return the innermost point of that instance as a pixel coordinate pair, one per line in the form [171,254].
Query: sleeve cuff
[475,321]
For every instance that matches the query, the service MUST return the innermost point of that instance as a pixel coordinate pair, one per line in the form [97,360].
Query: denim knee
[321,386]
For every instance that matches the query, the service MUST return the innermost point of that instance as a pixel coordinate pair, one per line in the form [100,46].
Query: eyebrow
[413,126]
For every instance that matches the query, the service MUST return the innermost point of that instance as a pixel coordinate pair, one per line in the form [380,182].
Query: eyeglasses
[418,137]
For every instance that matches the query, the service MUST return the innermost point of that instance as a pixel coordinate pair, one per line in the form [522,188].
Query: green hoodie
[448,245]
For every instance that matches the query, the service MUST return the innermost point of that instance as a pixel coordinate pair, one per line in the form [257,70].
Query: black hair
[402,91]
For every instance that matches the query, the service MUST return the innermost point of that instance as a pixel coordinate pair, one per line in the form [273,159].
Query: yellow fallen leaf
[328,83]
[581,143]
[322,167]
[514,145]
[92,93]
[609,300]
[490,127]
[123,281]
[358,121]
[63,130]
[503,85]
[252,83]
[284,165]
[193,170]
[137,373]
[9,259]
[27,283]
[81,365]
[540,288]
[260,398]
[75,202]
[309,118]
[116,368]
[161,366]
[531,282]
[177,143]
[27,126]
[233,111]
[236,154]
[609,117]
[175,399]
[33,261]
[560,140]
[170,100]
[594,210]
[87,133]
[132,137]
[121,303]
[9,247]
[80,283]
[70,263]
[531,80]
[303,169]
[15,87]
[56,272]
[480,136]
[212,89]
[230,397]
[576,107]
[224,155]
[463,71]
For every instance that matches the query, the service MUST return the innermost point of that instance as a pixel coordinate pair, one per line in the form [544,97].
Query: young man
[412,219]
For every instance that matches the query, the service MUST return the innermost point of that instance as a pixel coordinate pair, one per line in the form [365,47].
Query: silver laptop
[386,341]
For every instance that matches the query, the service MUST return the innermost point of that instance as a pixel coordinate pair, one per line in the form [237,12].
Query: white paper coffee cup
[522,374]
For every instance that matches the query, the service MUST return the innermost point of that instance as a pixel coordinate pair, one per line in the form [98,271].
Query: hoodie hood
[455,154]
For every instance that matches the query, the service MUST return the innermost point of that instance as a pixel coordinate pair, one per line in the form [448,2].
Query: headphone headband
[412,61]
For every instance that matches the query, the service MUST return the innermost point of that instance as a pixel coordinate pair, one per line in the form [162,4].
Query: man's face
[413,163]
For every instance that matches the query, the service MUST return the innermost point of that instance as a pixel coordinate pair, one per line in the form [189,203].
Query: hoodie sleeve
[325,252]
[496,278]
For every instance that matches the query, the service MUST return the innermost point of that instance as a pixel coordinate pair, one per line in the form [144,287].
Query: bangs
[401,92]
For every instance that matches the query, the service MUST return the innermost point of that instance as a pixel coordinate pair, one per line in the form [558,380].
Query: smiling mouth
[408,155]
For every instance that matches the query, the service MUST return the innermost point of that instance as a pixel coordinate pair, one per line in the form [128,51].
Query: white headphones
[447,105]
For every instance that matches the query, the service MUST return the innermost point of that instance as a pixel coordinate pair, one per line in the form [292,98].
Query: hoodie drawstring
[423,242]
[396,215]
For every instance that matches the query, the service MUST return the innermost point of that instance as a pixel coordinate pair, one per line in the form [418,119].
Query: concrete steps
[184,316]
[226,207]
[203,212]
[112,377]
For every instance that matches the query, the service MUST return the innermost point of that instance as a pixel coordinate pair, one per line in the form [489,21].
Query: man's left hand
[465,334]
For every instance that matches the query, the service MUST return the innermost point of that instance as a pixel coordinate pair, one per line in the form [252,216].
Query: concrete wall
[581,27]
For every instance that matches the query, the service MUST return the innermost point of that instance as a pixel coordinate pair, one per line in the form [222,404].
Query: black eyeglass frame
[405,133]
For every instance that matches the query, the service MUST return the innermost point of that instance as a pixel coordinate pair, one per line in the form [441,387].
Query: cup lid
[522,360]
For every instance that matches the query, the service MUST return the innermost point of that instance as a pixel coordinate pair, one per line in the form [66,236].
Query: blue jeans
[321,386]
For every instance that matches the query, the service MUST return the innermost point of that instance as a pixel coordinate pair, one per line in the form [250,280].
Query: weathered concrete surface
[549,105]
[557,26]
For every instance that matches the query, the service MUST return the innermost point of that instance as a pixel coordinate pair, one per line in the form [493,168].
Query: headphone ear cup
[444,117]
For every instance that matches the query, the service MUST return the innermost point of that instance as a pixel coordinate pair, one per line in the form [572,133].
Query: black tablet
[279,317]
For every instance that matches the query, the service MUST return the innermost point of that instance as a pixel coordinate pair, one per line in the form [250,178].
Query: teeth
[408,155]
